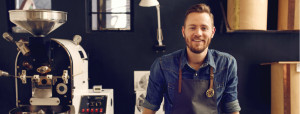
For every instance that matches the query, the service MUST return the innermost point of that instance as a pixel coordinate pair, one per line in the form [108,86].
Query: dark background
[113,56]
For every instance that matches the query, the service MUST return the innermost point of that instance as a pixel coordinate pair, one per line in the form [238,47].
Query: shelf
[262,31]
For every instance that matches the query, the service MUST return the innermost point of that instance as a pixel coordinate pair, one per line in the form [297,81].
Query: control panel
[92,104]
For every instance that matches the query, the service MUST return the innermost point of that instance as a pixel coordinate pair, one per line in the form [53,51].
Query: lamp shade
[148,3]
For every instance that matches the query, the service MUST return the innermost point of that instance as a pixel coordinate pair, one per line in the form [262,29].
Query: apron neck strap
[180,77]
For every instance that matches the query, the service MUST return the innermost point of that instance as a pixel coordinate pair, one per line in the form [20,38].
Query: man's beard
[194,49]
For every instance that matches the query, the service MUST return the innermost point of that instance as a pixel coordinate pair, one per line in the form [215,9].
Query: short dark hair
[200,8]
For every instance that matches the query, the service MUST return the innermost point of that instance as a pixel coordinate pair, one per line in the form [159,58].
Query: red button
[82,110]
[101,110]
[92,110]
[96,110]
[87,110]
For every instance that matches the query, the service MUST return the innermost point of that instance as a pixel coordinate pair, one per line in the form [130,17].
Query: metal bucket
[38,22]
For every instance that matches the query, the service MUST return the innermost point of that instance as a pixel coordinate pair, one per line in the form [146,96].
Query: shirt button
[196,74]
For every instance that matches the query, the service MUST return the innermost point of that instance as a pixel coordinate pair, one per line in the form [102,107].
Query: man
[195,80]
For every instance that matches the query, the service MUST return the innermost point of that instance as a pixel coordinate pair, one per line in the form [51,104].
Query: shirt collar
[209,59]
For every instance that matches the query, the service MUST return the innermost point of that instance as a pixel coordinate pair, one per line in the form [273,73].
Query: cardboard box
[247,14]
[288,15]
[285,87]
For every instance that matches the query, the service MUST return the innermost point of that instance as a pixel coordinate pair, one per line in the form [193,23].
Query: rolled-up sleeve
[232,106]
[230,96]
[155,87]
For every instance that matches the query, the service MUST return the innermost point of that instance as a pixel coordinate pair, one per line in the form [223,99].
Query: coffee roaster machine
[51,74]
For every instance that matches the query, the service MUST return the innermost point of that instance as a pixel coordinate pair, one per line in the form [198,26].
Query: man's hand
[148,111]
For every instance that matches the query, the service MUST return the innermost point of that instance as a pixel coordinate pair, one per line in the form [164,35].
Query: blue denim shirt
[164,77]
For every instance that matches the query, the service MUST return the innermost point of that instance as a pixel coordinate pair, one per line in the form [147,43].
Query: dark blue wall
[113,56]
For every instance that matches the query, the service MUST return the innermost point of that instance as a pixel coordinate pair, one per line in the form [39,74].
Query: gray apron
[195,96]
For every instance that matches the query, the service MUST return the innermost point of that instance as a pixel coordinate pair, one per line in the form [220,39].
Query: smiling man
[194,80]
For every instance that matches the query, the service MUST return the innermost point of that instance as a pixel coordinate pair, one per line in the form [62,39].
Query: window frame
[89,14]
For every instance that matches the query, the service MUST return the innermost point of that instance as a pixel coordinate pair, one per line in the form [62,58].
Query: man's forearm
[148,111]
[234,113]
